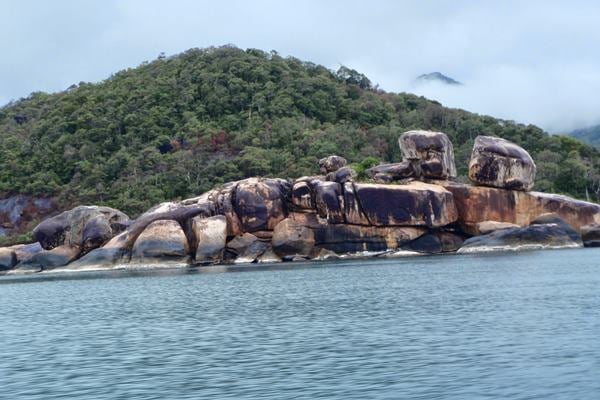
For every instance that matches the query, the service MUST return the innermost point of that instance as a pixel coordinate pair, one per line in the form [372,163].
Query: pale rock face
[485,227]
[499,163]
[211,234]
[431,152]
[162,240]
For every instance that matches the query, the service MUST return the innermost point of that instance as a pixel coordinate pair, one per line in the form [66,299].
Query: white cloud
[534,62]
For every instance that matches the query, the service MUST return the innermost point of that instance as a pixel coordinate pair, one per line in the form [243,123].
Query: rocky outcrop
[477,204]
[499,163]
[419,209]
[431,152]
[162,241]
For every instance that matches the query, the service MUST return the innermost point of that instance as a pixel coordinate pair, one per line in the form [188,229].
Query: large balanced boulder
[499,163]
[331,164]
[261,203]
[547,232]
[211,235]
[291,238]
[414,204]
[84,227]
[161,241]
[431,152]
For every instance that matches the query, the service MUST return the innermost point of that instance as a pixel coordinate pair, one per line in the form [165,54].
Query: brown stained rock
[433,152]
[413,204]
[162,240]
[302,197]
[352,208]
[499,163]
[261,203]
[329,201]
[476,204]
[292,239]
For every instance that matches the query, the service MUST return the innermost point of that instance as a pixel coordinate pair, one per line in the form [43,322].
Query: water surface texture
[518,326]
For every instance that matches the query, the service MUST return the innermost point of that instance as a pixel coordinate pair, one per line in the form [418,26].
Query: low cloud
[533,62]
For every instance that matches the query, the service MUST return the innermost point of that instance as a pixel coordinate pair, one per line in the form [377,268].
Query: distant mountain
[589,135]
[436,77]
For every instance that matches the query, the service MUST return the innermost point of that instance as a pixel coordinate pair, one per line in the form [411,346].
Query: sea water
[495,326]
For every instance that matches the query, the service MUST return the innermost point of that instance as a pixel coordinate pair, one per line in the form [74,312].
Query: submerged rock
[499,163]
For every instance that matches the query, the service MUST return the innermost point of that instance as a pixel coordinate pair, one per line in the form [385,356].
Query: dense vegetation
[589,135]
[177,126]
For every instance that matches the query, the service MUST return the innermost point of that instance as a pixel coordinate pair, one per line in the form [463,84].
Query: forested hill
[177,126]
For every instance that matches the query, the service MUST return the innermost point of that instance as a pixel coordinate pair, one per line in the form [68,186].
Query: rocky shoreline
[411,207]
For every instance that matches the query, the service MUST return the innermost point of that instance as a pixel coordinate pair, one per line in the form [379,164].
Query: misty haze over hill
[532,62]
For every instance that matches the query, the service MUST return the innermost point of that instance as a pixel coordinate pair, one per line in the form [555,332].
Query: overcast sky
[529,61]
